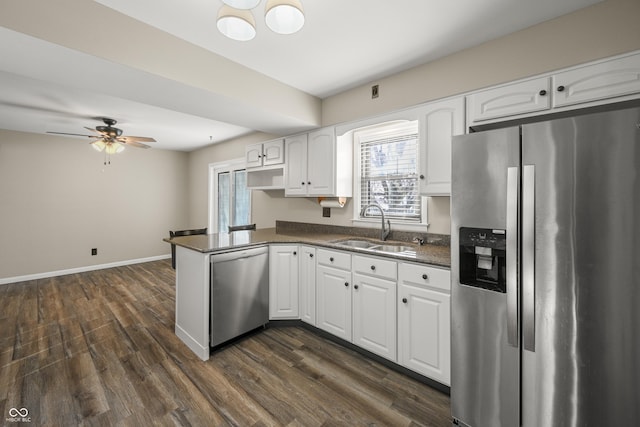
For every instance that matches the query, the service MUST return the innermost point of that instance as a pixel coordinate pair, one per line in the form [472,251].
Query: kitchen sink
[360,244]
[397,249]
[393,248]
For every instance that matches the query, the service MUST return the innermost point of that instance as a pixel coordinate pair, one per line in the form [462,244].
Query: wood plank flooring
[98,349]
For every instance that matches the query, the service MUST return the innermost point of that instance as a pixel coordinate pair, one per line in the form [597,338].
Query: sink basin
[361,244]
[377,247]
[392,248]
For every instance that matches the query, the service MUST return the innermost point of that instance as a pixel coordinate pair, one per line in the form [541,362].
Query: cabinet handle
[346,284]
[355,286]
[543,92]
[373,268]
[302,183]
[560,88]
[310,255]
[295,253]
[421,176]
[425,277]
[308,182]
[404,300]
[331,259]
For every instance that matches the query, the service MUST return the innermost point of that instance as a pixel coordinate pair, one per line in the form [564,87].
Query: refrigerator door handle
[512,256]
[528,258]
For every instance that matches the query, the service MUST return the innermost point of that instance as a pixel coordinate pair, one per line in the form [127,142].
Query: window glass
[389,172]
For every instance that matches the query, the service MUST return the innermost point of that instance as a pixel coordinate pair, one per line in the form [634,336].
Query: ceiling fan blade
[74,134]
[91,129]
[135,144]
[136,138]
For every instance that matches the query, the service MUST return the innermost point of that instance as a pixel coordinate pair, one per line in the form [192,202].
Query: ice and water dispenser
[483,258]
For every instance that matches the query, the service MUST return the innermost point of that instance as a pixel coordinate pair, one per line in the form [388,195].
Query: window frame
[378,131]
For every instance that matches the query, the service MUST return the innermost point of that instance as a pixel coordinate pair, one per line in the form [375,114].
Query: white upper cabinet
[510,100]
[439,121]
[265,154]
[618,77]
[318,164]
[296,166]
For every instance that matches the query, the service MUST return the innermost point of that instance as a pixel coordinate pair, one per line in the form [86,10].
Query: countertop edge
[434,255]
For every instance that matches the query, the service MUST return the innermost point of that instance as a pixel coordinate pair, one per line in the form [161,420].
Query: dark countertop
[436,255]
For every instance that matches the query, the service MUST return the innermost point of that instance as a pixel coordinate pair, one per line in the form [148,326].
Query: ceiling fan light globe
[114,148]
[98,145]
[242,4]
[284,16]
[236,24]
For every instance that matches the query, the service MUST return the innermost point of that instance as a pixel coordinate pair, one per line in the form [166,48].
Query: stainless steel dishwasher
[239,293]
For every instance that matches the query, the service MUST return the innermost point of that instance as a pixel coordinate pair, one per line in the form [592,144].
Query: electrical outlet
[94,251]
[326,212]
[374,91]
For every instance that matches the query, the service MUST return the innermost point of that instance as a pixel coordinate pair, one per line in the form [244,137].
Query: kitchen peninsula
[321,248]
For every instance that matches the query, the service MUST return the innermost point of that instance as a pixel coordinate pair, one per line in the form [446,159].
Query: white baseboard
[7,280]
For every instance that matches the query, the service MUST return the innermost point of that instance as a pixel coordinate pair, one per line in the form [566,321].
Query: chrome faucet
[384,233]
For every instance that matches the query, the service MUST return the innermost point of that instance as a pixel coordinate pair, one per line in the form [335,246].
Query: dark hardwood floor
[98,348]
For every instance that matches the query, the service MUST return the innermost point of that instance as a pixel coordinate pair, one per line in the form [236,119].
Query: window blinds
[389,176]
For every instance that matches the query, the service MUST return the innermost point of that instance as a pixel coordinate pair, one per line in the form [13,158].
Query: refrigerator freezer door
[585,368]
[485,368]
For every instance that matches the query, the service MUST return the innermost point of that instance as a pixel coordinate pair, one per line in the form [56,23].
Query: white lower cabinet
[374,305]
[307,284]
[424,324]
[283,282]
[333,293]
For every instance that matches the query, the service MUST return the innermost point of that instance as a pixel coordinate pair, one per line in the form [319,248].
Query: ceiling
[52,82]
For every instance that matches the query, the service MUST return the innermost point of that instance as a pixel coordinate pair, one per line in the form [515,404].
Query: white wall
[605,29]
[58,200]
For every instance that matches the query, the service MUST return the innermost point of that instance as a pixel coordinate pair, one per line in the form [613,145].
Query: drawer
[334,259]
[423,275]
[376,267]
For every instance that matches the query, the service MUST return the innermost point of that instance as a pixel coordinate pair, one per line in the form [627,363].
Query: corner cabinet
[438,123]
[307,284]
[318,164]
[424,324]
[283,282]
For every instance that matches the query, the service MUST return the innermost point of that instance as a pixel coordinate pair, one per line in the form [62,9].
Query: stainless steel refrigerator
[545,270]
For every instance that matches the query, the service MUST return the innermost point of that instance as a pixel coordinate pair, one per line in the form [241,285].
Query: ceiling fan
[110,139]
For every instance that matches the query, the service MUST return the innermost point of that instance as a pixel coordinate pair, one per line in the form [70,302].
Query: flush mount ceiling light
[284,16]
[237,24]
[236,21]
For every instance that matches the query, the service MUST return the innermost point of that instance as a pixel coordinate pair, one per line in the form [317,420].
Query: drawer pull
[346,284]
[373,268]
[331,259]
[543,92]
[425,277]
[560,88]
[404,300]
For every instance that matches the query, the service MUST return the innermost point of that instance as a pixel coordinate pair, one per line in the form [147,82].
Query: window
[229,198]
[388,171]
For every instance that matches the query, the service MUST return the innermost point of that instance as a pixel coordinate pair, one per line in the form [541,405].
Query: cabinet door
[296,165]
[439,121]
[321,169]
[307,284]
[253,155]
[424,331]
[609,79]
[283,282]
[374,315]
[333,291]
[518,98]
[273,152]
